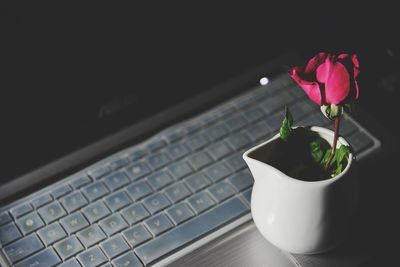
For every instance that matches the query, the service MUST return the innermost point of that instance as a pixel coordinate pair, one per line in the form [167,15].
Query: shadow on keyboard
[145,203]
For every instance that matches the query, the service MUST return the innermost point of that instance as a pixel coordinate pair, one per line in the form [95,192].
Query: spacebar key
[190,231]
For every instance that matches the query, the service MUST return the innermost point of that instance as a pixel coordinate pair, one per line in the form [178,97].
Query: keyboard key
[91,235]
[247,195]
[80,181]
[243,101]
[263,92]
[92,257]
[99,172]
[117,201]
[156,145]
[225,110]
[73,201]
[158,224]
[61,191]
[119,163]
[9,233]
[128,259]
[156,202]
[23,248]
[200,202]
[301,109]
[41,200]
[180,169]
[199,160]
[137,154]
[95,191]
[314,119]
[20,210]
[274,122]
[238,141]
[159,180]
[158,160]
[96,211]
[197,141]
[278,101]
[180,213]
[68,247]
[253,113]
[135,213]
[216,132]
[51,212]
[192,126]
[138,171]
[139,190]
[217,171]
[241,180]
[45,258]
[74,222]
[70,263]
[259,131]
[113,224]
[177,151]
[116,180]
[359,141]
[29,223]
[197,182]
[236,161]
[173,136]
[157,248]
[5,218]
[219,150]
[236,122]
[114,246]
[221,191]
[176,192]
[298,92]
[136,235]
[51,233]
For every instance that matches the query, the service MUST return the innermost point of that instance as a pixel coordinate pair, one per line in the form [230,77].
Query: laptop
[105,175]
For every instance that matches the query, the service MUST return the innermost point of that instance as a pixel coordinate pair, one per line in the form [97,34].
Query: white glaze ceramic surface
[301,216]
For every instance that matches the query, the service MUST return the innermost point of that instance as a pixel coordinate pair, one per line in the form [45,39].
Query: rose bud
[329,79]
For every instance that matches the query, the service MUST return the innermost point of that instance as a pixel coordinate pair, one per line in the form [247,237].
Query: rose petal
[353,60]
[323,71]
[310,88]
[337,86]
[356,66]
[317,60]
[343,56]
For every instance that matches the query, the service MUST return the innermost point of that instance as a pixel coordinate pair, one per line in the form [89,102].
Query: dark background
[66,67]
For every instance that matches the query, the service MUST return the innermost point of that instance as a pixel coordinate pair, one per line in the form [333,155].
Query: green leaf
[342,152]
[286,128]
[326,156]
[316,148]
[340,158]
[338,169]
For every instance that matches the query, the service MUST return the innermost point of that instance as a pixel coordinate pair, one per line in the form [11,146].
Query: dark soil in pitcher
[293,157]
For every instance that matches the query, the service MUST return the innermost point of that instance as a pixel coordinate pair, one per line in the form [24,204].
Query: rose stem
[335,138]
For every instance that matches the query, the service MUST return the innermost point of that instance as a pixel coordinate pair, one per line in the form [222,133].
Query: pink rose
[329,79]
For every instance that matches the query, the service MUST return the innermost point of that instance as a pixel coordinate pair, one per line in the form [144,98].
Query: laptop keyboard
[148,201]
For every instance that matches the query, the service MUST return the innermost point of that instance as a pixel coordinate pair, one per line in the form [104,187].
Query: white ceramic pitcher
[305,217]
